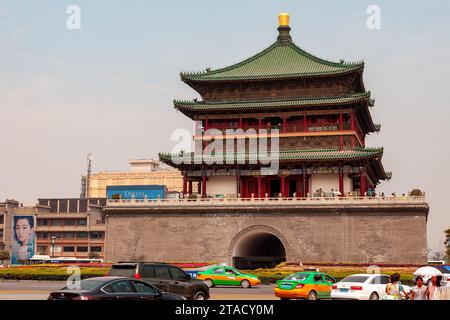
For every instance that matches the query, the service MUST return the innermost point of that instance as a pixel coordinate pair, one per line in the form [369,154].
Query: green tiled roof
[199,106]
[280,60]
[297,155]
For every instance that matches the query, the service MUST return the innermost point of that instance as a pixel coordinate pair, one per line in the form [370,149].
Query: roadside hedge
[48,273]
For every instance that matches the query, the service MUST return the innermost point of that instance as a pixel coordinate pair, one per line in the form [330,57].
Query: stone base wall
[337,236]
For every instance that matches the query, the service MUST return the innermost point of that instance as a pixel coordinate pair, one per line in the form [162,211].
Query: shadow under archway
[258,250]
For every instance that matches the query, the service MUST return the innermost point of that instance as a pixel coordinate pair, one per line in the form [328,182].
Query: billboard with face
[23,238]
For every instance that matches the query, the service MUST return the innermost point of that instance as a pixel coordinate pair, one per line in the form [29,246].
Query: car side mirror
[188,276]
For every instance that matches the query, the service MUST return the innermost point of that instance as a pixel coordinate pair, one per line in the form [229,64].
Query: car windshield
[234,270]
[355,279]
[87,284]
[126,270]
[297,277]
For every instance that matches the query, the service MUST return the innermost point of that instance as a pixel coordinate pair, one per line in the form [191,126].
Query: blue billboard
[136,192]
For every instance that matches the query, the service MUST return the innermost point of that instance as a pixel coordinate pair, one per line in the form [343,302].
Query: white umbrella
[427,272]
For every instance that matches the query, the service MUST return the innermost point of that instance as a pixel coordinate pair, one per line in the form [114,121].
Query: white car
[362,287]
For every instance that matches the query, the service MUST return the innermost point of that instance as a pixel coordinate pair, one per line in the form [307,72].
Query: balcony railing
[290,128]
[308,201]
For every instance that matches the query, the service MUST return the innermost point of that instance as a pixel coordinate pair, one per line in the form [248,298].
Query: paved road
[39,290]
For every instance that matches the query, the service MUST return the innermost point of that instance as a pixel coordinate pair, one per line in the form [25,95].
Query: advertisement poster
[23,239]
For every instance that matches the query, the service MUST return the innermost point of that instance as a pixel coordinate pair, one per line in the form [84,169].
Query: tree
[416,193]
[447,243]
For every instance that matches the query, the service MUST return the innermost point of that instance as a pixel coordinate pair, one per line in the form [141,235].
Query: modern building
[308,198]
[142,172]
[63,227]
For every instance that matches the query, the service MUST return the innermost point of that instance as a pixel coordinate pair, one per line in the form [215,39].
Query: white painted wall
[348,185]
[221,185]
[326,181]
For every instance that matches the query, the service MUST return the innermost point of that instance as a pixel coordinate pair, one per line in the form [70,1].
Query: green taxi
[228,276]
[311,285]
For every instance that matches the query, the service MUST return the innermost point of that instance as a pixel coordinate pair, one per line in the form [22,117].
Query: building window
[1,232]
[57,235]
[68,235]
[42,235]
[73,205]
[96,249]
[69,222]
[2,219]
[42,249]
[57,249]
[82,222]
[69,249]
[82,235]
[96,235]
[42,222]
[82,249]
[56,222]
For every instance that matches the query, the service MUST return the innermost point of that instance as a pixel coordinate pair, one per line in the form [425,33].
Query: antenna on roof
[85,179]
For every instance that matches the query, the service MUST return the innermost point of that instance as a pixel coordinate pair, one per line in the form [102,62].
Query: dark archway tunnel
[258,250]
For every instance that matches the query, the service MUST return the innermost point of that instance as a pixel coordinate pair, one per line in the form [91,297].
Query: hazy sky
[108,87]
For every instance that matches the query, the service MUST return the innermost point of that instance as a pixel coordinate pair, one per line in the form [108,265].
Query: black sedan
[112,288]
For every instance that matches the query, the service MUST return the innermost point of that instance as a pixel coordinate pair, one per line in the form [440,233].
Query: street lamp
[53,245]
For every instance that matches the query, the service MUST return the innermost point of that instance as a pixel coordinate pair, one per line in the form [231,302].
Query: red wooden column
[243,190]
[284,124]
[352,123]
[184,184]
[341,127]
[240,121]
[341,182]
[190,187]
[283,185]
[204,186]
[363,182]
[260,123]
[306,185]
[199,189]
[259,193]
[305,123]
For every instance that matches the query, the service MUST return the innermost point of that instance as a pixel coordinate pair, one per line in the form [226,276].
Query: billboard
[136,192]
[23,245]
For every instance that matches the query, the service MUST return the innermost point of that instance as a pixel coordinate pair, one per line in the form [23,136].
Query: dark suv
[166,277]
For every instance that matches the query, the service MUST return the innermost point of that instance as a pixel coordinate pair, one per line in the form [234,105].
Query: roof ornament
[283,28]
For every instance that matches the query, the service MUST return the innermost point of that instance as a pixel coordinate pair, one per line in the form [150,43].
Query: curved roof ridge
[308,65]
[193,101]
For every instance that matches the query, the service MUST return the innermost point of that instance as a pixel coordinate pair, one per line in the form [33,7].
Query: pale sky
[108,87]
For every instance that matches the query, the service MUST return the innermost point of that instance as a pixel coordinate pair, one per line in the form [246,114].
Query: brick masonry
[347,234]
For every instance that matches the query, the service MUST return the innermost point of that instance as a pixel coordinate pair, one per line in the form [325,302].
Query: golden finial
[283,19]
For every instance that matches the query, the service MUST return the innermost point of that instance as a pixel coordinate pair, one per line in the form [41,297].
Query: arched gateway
[258,247]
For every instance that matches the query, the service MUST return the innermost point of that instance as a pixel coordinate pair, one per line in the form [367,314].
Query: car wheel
[312,295]
[209,283]
[374,296]
[199,295]
[245,284]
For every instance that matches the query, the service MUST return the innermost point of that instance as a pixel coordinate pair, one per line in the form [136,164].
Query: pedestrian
[394,288]
[434,290]
[419,292]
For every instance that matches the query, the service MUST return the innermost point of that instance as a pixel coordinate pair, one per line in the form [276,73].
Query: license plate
[343,290]
[285,286]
